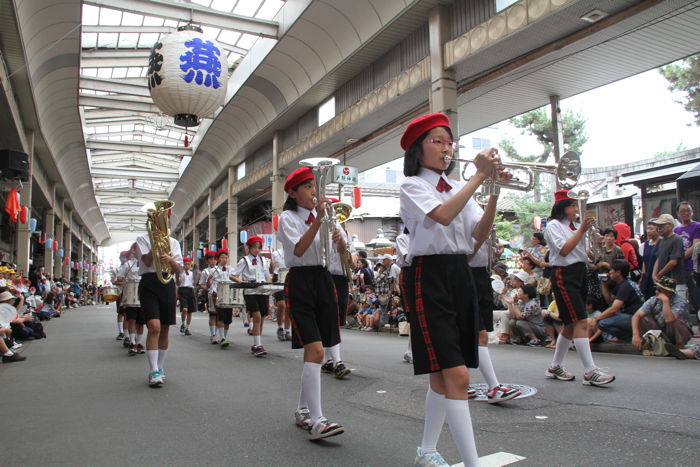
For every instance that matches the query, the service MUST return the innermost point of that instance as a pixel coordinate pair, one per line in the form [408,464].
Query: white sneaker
[408,356]
[597,377]
[324,429]
[18,345]
[303,418]
[430,459]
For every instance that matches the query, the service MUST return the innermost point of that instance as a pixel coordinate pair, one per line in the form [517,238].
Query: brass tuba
[342,213]
[159,234]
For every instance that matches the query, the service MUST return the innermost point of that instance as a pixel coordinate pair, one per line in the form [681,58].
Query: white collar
[431,177]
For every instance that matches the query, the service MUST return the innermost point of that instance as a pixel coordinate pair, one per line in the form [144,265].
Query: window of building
[503,4]
[240,171]
[326,111]
[480,143]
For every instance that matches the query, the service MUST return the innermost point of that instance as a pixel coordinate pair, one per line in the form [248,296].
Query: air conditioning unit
[14,165]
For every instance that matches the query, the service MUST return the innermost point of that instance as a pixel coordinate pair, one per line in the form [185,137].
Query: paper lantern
[23,212]
[32,224]
[537,222]
[55,246]
[60,252]
[244,236]
[224,244]
[199,254]
[49,243]
[275,221]
[65,261]
[187,75]
[213,247]
[356,197]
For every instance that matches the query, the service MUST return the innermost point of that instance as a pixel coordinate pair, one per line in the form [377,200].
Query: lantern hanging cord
[45,50]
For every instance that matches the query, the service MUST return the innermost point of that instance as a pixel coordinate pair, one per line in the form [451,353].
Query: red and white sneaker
[502,393]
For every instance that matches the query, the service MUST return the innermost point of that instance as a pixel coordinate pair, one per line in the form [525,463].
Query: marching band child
[310,295]
[254,268]
[204,285]
[443,220]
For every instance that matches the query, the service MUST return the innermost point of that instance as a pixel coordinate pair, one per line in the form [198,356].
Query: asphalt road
[80,400]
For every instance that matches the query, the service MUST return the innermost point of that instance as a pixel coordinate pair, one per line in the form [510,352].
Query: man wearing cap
[254,268]
[670,254]
[689,232]
[185,292]
[205,281]
[666,311]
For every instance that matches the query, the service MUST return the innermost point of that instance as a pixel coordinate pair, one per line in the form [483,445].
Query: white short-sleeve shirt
[143,246]
[557,233]
[187,278]
[336,266]
[245,270]
[130,270]
[292,226]
[402,242]
[419,197]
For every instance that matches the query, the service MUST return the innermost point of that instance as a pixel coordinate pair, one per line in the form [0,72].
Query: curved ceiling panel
[345,34]
[307,57]
[53,67]
[292,69]
[280,80]
[324,43]
[363,17]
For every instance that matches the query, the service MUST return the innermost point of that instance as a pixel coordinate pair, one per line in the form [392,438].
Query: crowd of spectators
[27,301]
[634,286]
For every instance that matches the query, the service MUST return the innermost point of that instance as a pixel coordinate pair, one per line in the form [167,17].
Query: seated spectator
[594,334]
[372,316]
[666,311]
[552,323]
[526,317]
[692,352]
[8,355]
[624,298]
[608,252]
[363,312]
[47,311]
[351,312]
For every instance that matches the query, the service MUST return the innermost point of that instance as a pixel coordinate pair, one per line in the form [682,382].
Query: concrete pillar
[81,256]
[211,227]
[195,232]
[232,225]
[23,233]
[56,273]
[49,220]
[277,180]
[68,245]
[443,85]
[557,132]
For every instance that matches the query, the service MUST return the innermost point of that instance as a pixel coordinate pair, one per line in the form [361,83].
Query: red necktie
[443,186]
[187,273]
[311,218]
[255,261]
[224,268]
[572,226]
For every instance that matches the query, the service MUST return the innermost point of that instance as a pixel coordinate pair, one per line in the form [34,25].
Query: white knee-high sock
[335,353]
[120,326]
[212,330]
[409,348]
[161,358]
[434,420]
[563,345]
[220,332]
[327,354]
[486,367]
[460,422]
[257,341]
[583,347]
[152,359]
[311,389]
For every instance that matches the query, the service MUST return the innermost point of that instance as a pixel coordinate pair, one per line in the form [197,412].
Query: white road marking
[497,459]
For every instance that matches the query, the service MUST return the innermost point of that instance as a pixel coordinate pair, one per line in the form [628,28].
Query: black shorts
[279,296]
[444,319]
[313,306]
[255,303]
[202,299]
[570,291]
[225,315]
[405,272]
[134,313]
[157,299]
[341,291]
[484,297]
[186,295]
[120,311]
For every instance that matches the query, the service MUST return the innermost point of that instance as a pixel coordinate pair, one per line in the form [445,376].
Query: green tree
[538,123]
[684,76]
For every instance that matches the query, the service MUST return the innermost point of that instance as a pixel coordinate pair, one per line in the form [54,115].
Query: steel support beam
[134,147]
[110,85]
[139,174]
[116,103]
[196,13]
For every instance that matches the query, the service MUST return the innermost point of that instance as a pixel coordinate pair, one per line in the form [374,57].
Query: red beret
[298,177]
[253,239]
[420,125]
[209,253]
[561,195]
[186,260]
[124,253]
[221,251]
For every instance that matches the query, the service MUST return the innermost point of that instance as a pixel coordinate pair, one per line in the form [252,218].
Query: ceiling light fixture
[594,15]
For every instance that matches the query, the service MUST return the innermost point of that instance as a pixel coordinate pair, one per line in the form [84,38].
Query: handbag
[544,286]
[654,344]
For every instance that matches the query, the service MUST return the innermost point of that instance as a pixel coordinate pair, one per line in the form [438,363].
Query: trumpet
[567,171]
[581,197]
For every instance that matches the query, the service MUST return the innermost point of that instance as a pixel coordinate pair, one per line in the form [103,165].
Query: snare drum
[130,294]
[225,295]
[111,294]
